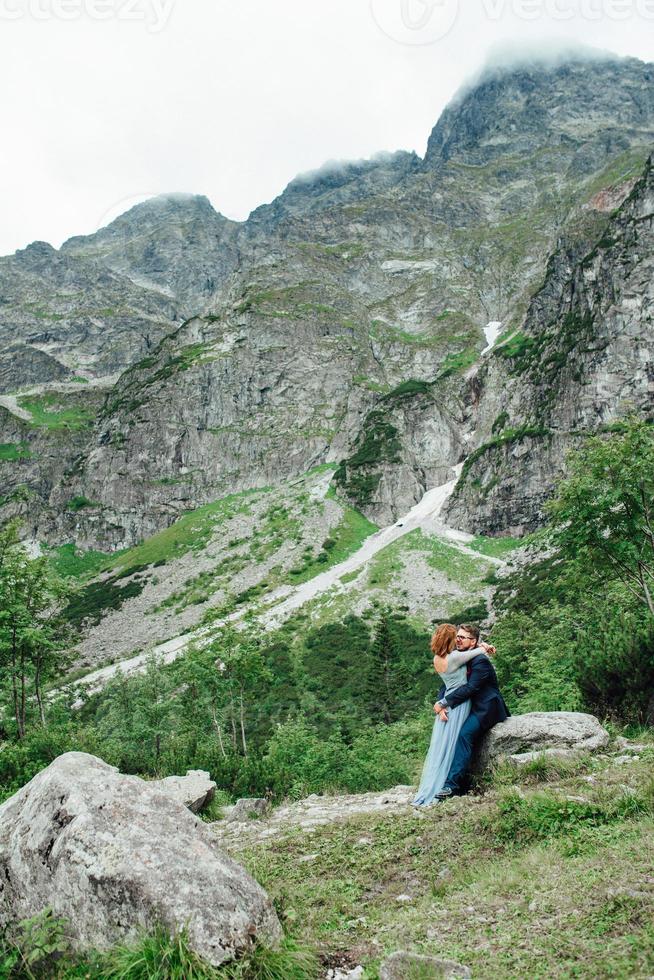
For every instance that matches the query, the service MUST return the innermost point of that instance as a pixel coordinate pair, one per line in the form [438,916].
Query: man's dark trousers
[456,778]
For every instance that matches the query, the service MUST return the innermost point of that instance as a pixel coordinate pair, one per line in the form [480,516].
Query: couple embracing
[469,703]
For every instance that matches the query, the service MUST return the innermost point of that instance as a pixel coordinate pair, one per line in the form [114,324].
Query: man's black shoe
[445,793]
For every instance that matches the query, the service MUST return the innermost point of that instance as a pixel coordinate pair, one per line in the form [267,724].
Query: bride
[451,666]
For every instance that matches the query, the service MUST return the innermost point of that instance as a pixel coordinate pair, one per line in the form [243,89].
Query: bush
[299,762]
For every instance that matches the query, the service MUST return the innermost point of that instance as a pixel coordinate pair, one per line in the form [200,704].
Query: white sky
[233,99]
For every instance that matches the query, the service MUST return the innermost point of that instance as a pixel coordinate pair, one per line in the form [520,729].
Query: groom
[487,707]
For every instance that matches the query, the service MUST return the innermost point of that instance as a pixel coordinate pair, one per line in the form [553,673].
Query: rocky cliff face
[176,244]
[583,360]
[345,321]
[581,109]
[63,315]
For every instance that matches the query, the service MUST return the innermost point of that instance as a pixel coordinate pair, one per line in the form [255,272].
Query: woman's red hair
[444,640]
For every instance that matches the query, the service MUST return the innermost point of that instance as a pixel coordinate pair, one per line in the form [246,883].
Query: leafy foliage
[358,475]
[577,631]
[32,630]
[302,709]
[605,508]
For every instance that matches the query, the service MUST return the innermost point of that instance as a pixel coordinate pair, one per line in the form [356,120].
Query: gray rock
[354,974]
[411,966]
[248,809]
[522,758]
[115,856]
[195,790]
[626,745]
[523,737]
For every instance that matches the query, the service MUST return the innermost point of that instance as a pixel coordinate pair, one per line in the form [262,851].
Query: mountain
[583,359]
[175,244]
[344,323]
[63,314]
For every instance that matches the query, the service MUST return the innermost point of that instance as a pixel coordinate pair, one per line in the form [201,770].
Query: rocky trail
[284,601]
[307,815]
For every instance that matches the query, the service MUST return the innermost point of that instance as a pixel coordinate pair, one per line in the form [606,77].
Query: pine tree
[384,673]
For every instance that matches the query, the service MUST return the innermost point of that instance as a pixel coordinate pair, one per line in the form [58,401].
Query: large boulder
[195,790]
[115,856]
[550,733]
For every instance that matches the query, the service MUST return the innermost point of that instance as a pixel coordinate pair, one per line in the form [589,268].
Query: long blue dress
[445,734]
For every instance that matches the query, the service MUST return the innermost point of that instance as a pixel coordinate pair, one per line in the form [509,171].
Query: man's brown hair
[473,630]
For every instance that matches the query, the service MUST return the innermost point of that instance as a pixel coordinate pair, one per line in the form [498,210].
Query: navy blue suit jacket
[483,692]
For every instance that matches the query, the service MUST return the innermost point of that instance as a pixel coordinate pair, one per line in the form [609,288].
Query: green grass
[41,949]
[496,547]
[522,885]
[129,568]
[380,330]
[50,411]
[363,381]
[517,345]
[459,567]
[81,503]
[192,532]
[11,452]
[71,562]
[628,164]
[342,542]
[386,565]
[304,298]
[458,363]
[184,359]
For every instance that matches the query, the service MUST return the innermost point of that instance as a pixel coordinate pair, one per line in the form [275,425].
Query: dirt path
[306,815]
[282,602]
[10,402]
